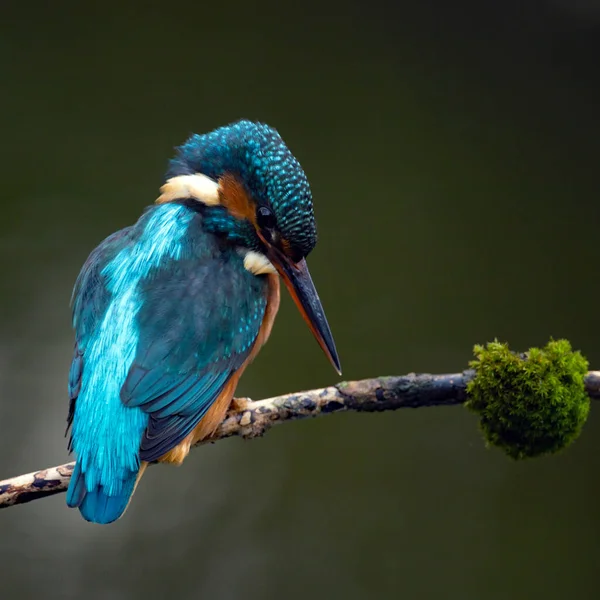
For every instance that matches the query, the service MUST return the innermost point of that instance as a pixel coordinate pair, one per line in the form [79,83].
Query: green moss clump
[529,404]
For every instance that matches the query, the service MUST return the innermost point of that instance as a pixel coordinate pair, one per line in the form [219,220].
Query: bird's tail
[97,505]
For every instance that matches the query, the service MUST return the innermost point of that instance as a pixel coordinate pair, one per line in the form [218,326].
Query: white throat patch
[197,186]
[258,263]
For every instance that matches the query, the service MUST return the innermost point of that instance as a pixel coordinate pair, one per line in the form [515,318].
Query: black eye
[265,218]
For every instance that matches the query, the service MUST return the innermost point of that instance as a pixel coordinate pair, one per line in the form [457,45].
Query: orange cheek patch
[235,198]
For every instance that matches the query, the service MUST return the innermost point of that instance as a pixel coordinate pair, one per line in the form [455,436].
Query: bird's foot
[240,404]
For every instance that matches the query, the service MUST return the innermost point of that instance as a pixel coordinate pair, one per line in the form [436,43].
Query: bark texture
[250,419]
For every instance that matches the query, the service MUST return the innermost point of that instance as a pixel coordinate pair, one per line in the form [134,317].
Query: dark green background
[453,152]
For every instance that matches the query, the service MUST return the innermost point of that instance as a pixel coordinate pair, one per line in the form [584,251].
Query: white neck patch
[206,190]
[258,263]
[197,186]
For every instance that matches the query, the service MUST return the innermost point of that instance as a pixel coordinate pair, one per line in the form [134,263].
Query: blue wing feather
[170,426]
[174,399]
[182,398]
[75,374]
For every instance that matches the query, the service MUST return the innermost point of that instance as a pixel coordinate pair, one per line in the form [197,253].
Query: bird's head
[252,190]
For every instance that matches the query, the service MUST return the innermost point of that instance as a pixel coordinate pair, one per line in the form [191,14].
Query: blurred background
[452,149]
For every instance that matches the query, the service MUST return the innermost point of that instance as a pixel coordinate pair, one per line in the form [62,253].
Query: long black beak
[300,285]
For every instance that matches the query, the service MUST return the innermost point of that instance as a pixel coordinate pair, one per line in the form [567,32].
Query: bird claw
[240,404]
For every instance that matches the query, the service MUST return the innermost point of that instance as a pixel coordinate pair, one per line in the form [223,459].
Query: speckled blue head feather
[256,153]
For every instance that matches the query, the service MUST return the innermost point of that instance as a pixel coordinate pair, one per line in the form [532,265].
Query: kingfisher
[170,311]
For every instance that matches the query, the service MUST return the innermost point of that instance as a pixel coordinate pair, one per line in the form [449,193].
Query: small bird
[169,312]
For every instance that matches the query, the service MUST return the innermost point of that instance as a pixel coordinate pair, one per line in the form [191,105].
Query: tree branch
[250,419]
